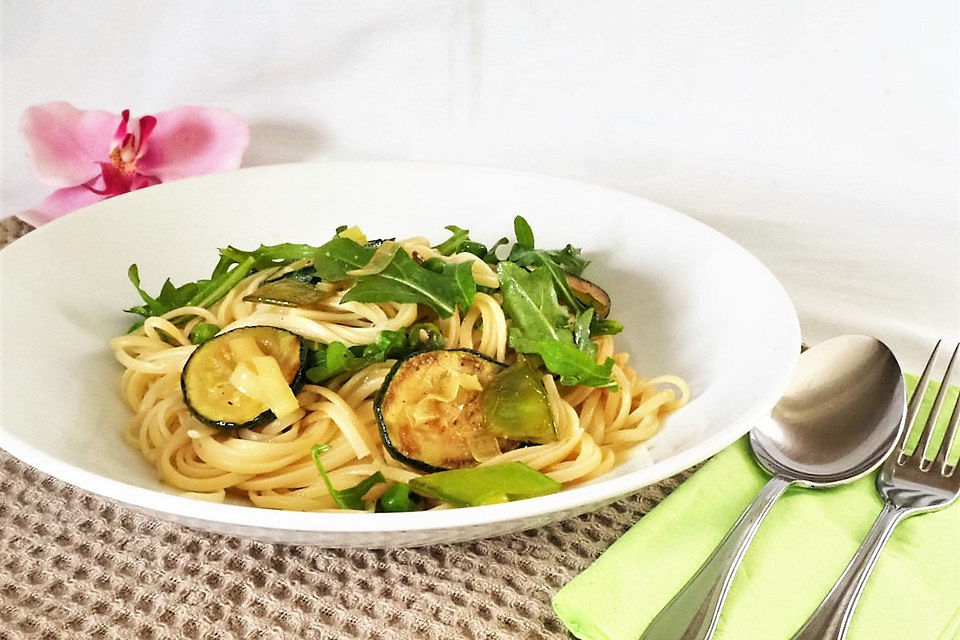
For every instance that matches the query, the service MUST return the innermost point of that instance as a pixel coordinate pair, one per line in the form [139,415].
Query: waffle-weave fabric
[74,565]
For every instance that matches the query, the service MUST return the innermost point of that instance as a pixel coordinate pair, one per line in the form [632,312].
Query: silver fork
[909,485]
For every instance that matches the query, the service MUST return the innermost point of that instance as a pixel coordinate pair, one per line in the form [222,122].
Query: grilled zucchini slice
[590,294]
[450,409]
[206,379]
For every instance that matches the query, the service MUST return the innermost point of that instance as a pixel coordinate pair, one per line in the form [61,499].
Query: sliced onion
[483,447]
[380,260]
[470,382]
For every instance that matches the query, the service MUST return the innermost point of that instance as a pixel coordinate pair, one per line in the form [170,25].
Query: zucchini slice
[450,409]
[590,294]
[205,381]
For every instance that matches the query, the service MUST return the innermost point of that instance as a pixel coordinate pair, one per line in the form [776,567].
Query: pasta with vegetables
[385,375]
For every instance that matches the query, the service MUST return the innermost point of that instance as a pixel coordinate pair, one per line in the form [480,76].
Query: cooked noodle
[272,466]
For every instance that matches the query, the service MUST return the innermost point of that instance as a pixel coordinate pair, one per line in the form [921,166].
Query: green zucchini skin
[264,417]
[382,425]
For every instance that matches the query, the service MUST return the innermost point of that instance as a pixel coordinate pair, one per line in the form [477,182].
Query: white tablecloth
[822,136]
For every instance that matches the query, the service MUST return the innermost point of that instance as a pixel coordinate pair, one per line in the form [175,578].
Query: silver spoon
[839,418]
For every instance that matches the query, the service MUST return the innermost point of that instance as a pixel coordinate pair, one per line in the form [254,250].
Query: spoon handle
[694,611]
[832,618]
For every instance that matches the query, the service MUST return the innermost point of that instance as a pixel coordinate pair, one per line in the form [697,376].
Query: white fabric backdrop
[823,136]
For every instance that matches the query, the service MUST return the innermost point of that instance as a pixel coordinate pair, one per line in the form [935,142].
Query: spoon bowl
[840,416]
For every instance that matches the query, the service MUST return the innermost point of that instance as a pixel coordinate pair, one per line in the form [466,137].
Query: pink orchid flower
[93,155]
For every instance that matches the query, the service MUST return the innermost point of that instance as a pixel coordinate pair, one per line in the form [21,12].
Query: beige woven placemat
[73,565]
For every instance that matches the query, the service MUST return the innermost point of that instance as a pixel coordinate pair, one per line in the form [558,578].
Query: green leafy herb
[276,255]
[461,274]
[460,242]
[351,498]
[524,254]
[569,258]
[574,366]
[202,332]
[234,265]
[403,280]
[454,243]
[201,293]
[332,260]
[604,327]
[582,332]
[558,263]
[491,255]
[397,499]
[543,327]
[540,260]
[523,232]
[326,361]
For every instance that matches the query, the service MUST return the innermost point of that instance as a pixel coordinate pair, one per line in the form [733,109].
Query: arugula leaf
[604,327]
[403,280]
[452,245]
[461,274]
[332,260]
[523,232]
[209,291]
[558,263]
[133,273]
[201,293]
[351,498]
[531,302]
[524,254]
[569,258]
[460,242]
[490,256]
[542,327]
[581,334]
[574,366]
[270,255]
[539,259]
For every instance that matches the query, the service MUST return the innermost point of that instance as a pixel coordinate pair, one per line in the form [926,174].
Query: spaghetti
[271,465]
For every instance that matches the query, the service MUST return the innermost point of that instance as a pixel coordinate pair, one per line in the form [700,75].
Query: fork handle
[832,618]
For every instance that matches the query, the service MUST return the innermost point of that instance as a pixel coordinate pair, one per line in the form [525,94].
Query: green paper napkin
[800,550]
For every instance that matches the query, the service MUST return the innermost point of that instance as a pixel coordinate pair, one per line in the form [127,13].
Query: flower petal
[189,141]
[141,182]
[59,203]
[65,143]
[114,183]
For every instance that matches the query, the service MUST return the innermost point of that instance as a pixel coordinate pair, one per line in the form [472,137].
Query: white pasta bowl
[693,303]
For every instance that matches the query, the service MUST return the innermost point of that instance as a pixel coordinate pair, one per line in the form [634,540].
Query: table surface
[73,564]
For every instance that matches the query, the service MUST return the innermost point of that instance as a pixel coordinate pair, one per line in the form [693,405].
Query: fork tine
[948,438]
[915,401]
[928,428]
